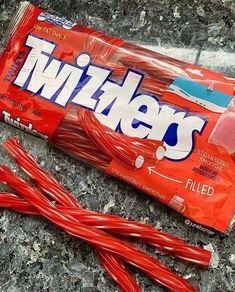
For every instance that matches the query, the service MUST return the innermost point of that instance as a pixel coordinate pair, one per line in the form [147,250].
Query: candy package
[159,124]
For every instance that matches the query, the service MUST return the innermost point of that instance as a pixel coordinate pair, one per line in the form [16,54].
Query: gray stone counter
[34,254]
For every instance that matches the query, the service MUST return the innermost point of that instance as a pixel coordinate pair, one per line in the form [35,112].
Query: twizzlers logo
[56,20]
[119,106]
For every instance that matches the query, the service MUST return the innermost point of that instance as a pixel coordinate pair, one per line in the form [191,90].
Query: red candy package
[159,124]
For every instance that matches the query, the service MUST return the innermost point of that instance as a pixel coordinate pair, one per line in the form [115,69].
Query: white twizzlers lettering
[119,106]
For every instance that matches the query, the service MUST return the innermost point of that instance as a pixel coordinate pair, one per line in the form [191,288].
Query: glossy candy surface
[68,214]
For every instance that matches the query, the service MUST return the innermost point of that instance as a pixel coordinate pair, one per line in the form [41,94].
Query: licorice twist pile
[51,200]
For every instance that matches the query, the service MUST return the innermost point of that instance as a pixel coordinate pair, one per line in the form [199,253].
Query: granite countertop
[34,254]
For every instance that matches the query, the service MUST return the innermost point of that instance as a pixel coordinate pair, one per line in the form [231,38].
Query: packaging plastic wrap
[157,123]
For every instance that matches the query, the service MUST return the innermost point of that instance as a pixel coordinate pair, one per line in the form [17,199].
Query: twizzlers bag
[162,125]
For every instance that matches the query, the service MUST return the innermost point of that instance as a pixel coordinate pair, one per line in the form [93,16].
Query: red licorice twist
[95,237]
[115,224]
[68,204]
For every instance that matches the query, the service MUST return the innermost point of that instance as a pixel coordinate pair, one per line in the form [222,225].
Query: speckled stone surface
[35,255]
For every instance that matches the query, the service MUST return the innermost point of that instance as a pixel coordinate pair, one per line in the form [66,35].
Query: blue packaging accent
[209,98]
